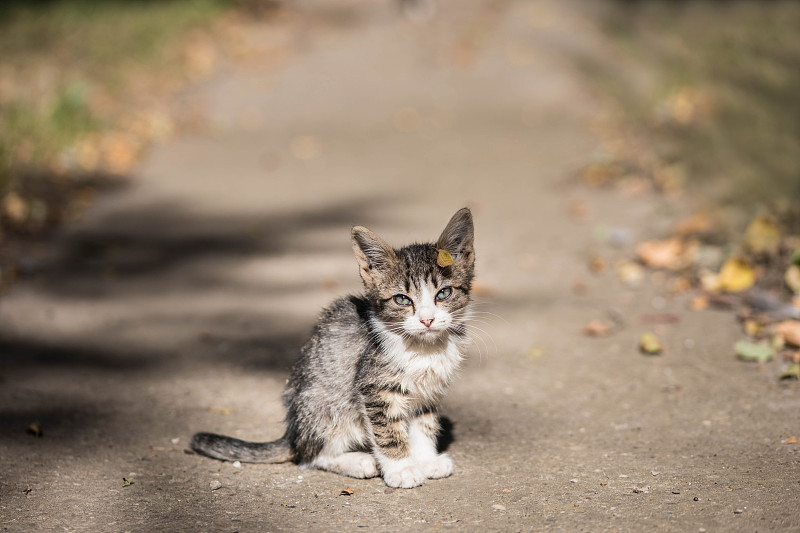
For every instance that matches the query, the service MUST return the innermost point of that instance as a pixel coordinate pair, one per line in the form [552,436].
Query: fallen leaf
[790,440]
[15,207]
[444,259]
[762,235]
[597,264]
[750,351]
[630,273]
[793,372]
[698,303]
[792,278]
[127,482]
[697,224]
[650,344]
[671,254]
[34,429]
[736,275]
[789,330]
[347,492]
[597,328]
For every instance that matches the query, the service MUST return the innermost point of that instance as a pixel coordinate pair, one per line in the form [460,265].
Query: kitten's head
[412,295]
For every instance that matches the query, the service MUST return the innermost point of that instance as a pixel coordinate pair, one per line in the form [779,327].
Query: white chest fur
[425,369]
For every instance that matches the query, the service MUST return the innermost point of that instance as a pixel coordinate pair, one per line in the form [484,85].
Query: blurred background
[178,179]
[702,94]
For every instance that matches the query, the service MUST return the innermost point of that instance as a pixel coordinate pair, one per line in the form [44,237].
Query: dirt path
[178,304]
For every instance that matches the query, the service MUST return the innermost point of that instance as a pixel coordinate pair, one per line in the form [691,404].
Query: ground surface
[179,302]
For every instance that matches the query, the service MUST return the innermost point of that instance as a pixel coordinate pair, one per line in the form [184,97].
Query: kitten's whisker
[476,328]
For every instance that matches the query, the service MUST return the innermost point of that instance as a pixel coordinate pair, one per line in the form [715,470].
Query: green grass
[745,57]
[57,55]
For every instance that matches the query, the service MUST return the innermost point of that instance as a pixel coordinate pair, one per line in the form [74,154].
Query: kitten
[362,399]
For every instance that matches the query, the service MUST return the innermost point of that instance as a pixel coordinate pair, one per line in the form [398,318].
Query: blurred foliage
[65,65]
[720,96]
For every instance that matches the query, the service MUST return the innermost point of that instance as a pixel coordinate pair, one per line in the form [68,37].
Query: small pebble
[738,511]
[499,507]
[676,492]
[575,480]
[215,485]
[237,464]
[696,499]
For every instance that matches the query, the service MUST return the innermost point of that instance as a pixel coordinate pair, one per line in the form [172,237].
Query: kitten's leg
[386,410]
[336,457]
[353,464]
[422,434]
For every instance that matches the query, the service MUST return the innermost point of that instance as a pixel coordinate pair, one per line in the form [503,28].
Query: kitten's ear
[458,237]
[374,256]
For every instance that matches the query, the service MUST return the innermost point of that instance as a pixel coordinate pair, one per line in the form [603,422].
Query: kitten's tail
[230,449]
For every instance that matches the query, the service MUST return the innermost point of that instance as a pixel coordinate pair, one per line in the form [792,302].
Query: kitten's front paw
[367,467]
[441,466]
[404,477]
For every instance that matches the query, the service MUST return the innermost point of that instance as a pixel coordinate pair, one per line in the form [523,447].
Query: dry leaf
[444,259]
[671,254]
[630,273]
[597,264]
[15,207]
[347,492]
[35,429]
[597,328]
[790,440]
[694,225]
[752,328]
[789,330]
[762,235]
[792,278]
[736,275]
[698,303]
[650,344]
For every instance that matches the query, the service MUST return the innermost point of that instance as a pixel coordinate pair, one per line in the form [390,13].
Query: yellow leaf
[650,344]
[736,275]
[792,278]
[444,259]
[762,235]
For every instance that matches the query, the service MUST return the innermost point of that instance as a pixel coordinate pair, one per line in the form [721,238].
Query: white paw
[358,464]
[441,466]
[366,466]
[405,477]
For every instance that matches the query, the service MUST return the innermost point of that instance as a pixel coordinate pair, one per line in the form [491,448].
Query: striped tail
[230,449]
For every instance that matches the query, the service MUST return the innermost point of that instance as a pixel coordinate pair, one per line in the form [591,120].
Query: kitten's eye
[402,299]
[444,294]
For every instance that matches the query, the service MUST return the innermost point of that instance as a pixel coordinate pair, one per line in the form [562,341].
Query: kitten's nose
[427,322]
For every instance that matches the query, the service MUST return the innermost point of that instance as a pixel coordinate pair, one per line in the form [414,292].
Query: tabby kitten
[362,399]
